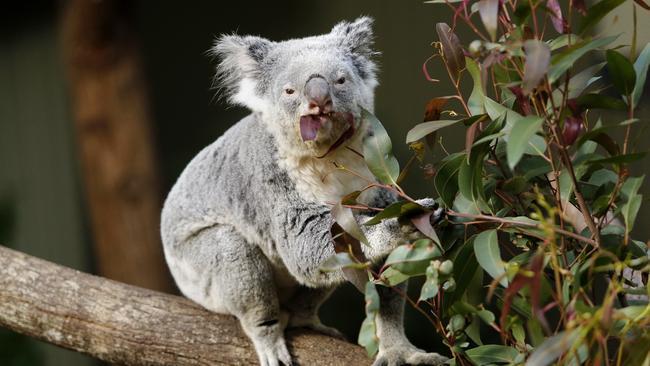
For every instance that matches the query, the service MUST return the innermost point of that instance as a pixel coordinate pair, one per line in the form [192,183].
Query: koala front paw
[438,214]
[407,354]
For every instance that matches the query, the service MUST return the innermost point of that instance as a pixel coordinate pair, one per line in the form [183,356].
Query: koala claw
[407,355]
[332,332]
[279,355]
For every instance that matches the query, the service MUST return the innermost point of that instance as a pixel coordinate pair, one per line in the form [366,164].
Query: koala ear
[240,68]
[356,37]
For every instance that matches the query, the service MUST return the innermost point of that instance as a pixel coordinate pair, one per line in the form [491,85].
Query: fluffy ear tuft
[357,36]
[240,68]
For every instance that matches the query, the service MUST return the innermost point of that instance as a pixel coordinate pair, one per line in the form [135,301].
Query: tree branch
[129,325]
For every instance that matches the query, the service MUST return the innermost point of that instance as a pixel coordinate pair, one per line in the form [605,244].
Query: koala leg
[394,348]
[303,310]
[239,281]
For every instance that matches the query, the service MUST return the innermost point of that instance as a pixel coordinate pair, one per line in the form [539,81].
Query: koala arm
[307,241]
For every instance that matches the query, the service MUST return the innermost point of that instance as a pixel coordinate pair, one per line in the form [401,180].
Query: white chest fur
[328,179]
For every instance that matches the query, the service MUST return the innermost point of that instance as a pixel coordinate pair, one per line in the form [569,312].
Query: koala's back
[234,181]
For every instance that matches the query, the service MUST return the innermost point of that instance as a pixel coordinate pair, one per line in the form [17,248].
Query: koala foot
[407,354]
[275,355]
[314,323]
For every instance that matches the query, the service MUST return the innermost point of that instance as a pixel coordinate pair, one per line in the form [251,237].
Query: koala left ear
[357,36]
[240,68]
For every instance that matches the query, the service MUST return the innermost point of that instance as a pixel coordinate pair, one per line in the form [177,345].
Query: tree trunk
[113,126]
[128,325]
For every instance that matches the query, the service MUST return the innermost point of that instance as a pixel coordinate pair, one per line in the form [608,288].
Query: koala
[246,227]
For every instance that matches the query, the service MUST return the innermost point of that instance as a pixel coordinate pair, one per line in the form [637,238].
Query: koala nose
[317,91]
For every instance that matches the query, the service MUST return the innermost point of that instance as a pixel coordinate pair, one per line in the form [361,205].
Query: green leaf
[423,129]
[519,137]
[470,176]
[475,101]
[341,260]
[377,151]
[641,70]
[452,51]
[422,249]
[346,220]
[486,249]
[368,333]
[368,336]
[597,12]
[489,12]
[396,209]
[446,179]
[538,56]
[618,159]
[621,72]
[552,348]
[631,207]
[563,61]
[393,277]
[492,353]
[431,285]
[600,101]
[579,82]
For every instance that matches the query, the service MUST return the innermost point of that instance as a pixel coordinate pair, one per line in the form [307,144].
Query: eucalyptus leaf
[621,72]
[600,101]
[490,354]
[596,13]
[486,249]
[345,218]
[341,260]
[563,61]
[422,249]
[431,285]
[475,101]
[552,348]
[423,129]
[452,50]
[377,151]
[446,179]
[641,70]
[631,207]
[538,56]
[520,136]
[397,209]
[489,12]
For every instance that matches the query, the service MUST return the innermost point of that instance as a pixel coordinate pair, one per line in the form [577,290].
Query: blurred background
[103,103]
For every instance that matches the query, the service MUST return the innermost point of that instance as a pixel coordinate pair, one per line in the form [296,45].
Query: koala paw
[276,355]
[407,354]
[438,214]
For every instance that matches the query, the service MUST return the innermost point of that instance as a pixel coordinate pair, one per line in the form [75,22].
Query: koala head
[308,91]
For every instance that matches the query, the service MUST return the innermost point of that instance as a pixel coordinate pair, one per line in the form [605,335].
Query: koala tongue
[309,126]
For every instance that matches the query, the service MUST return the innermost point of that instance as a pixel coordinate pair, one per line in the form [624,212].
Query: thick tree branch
[129,325]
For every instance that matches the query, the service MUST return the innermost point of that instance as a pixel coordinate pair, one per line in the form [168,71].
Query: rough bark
[129,325]
[113,127]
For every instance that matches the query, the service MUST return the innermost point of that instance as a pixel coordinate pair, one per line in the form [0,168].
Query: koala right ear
[240,68]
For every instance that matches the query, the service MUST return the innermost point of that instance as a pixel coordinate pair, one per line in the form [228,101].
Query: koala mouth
[310,124]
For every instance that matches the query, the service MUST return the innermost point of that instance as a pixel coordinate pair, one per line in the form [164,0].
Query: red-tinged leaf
[489,12]
[434,108]
[538,57]
[423,224]
[572,128]
[556,15]
[580,6]
[470,136]
[536,266]
[642,4]
[345,218]
[452,51]
[523,102]
[518,283]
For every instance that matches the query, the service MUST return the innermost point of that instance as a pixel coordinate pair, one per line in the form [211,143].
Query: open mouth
[310,125]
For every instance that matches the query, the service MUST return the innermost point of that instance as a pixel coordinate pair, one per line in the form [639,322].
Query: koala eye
[289,91]
[340,80]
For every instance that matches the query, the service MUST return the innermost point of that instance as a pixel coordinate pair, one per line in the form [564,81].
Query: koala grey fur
[246,227]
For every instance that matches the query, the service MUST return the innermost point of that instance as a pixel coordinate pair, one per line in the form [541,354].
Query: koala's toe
[422,358]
